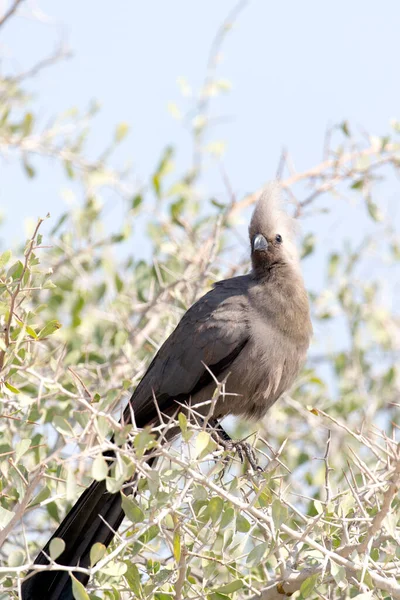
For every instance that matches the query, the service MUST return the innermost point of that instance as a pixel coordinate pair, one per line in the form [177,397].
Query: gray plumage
[264,313]
[253,330]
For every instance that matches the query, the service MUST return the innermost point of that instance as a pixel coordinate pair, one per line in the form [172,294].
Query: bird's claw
[244,451]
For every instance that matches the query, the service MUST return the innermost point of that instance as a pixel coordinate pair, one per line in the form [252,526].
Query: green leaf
[5,517]
[164,167]
[202,441]
[308,245]
[132,576]
[40,497]
[182,422]
[346,505]
[319,507]
[161,577]
[116,238]
[30,331]
[174,110]
[227,517]
[119,284]
[215,507]
[114,485]
[21,447]
[27,124]
[69,169]
[97,551]
[333,264]
[231,587]
[10,387]
[16,558]
[157,185]
[99,468]
[176,209]
[52,510]
[115,569]
[49,328]
[132,510]
[149,534]
[308,585]
[368,581]
[143,441]
[256,555]
[177,546]
[339,574]
[29,170]
[49,285]
[103,426]
[137,201]
[358,185]
[242,524]
[265,497]
[5,115]
[15,271]
[153,481]
[217,147]
[56,547]
[4,258]
[121,131]
[345,128]
[78,589]
[218,204]
[374,554]
[373,210]
[279,513]
[62,426]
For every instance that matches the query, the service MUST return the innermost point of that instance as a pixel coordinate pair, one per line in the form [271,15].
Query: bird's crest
[269,218]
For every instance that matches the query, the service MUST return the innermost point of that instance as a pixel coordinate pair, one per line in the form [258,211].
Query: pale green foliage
[81,319]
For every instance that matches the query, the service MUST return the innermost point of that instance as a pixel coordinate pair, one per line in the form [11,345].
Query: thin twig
[10,12]
[14,295]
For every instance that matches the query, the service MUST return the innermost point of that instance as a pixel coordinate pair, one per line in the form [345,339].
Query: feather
[270,219]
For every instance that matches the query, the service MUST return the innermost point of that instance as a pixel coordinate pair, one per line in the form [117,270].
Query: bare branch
[9,13]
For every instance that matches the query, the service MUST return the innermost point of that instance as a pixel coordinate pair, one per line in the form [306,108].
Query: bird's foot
[244,451]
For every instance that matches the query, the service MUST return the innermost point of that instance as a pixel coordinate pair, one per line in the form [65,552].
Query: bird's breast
[265,369]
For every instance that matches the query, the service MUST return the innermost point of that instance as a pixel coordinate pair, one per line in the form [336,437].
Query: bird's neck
[286,301]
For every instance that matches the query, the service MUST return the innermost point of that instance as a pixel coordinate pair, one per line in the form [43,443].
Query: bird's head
[272,233]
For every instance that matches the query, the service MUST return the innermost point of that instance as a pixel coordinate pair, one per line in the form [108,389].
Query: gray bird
[253,330]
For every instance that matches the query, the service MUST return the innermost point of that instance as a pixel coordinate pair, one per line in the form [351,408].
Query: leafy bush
[82,312]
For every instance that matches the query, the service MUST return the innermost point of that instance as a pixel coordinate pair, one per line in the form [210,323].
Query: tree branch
[10,12]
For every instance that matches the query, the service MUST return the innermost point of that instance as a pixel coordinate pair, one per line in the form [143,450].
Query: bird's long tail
[94,518]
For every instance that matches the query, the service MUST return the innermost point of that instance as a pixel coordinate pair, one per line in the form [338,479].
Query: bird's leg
[243,449]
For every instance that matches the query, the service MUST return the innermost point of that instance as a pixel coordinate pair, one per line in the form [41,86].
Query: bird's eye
[278,238]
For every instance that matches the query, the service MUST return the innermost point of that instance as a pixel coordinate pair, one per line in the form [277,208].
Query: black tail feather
[94,518]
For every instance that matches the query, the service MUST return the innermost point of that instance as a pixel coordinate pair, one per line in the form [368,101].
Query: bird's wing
[212,332]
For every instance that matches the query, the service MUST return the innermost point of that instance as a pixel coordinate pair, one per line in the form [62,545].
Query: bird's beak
[260,244]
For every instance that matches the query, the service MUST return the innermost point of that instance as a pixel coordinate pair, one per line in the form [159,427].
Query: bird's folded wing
[211,334]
